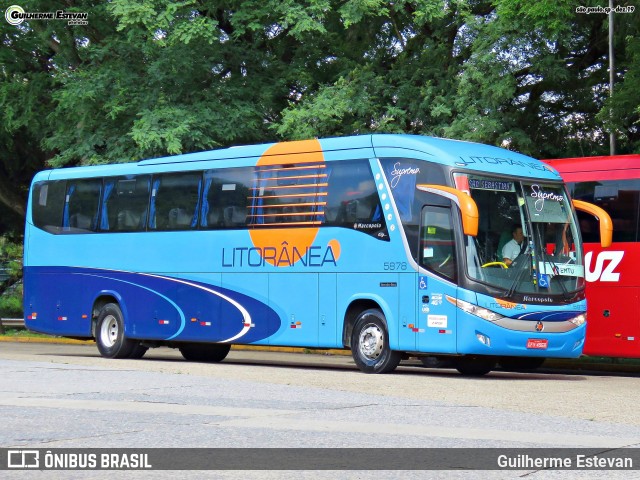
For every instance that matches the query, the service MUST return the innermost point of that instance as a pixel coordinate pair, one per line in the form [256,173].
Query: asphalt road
[66,396]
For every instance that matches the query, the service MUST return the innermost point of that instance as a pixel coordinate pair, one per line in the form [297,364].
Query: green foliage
[11,257]
[11,288]
[151,78]
[11,303]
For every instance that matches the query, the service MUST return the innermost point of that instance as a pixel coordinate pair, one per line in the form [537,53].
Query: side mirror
[606,225]
[466,204]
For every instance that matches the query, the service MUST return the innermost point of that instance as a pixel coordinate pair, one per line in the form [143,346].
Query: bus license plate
[538,343]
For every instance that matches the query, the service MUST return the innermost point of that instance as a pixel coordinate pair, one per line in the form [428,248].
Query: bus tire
[204,352]
[475,366]
[370,344]
[110,337]
[138,351]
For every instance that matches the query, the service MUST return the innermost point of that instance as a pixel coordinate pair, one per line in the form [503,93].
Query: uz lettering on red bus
[609,274]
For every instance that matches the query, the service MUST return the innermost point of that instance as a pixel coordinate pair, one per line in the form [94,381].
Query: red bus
[613,281]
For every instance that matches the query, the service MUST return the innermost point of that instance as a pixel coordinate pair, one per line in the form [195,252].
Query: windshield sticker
[494,185]
[546,205]
[543,280]
[553,269]
[541,196]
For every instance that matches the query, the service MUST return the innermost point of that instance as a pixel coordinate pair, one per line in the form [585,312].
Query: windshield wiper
[512,288]
[554,267]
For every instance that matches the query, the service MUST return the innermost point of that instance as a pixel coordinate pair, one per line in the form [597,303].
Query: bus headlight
[481,312]
[579,320]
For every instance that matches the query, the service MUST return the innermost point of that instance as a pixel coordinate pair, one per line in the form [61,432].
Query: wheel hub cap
[109,331]
[371,342]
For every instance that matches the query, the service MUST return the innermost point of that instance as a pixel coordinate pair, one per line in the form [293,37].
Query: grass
[23,333]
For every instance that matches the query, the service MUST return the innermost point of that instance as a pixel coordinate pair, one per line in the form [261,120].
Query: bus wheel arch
[98,304]
[369,342]
[108,330]
[351,315]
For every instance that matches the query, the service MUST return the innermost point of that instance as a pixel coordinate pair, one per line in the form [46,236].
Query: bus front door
[437,254]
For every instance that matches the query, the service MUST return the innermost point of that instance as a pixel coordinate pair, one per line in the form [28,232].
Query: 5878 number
[393,266]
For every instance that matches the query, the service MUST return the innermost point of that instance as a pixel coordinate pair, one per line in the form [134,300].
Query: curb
[579,365]
[69,341]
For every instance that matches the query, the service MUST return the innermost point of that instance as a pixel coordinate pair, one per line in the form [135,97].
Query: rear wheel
[110,337]
[204,352]
[436,362]
[475,366]
[370,344]
[138,351]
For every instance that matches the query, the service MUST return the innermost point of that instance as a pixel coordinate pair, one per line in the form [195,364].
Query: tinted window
[619,198]
[403,175]
[437,241]
[47,205]
[81,205]
[289,195]
[124,204]
[226,198]
[352,199]
[174,201]
[339,194]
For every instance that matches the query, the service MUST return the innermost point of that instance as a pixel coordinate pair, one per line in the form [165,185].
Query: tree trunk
[11,198]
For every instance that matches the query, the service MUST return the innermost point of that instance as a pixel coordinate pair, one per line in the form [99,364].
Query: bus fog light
[482,338]
[579,320]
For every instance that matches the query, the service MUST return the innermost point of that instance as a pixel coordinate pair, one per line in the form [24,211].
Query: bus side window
[47,203]
[620,199]
[353,201]
[124,204]
[175,201]
[226,198]
[437,250]
[81,205]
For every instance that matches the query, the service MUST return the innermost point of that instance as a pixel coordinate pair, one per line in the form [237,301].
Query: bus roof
[468,155]
[583,169]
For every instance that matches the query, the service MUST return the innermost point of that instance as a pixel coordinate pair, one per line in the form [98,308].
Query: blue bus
[388,245]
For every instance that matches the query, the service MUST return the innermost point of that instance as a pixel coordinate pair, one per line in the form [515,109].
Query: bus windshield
[527,240]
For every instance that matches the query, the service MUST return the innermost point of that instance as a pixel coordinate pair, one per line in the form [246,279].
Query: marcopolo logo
[15,15]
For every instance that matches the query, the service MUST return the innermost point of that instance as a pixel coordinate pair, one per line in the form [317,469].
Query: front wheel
[370,344]
[110,334]
[204,352]
[475,366]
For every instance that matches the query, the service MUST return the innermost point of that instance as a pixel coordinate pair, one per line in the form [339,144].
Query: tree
[150,78]
[527,76]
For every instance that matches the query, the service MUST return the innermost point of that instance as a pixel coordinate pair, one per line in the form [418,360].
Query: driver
[513,247]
